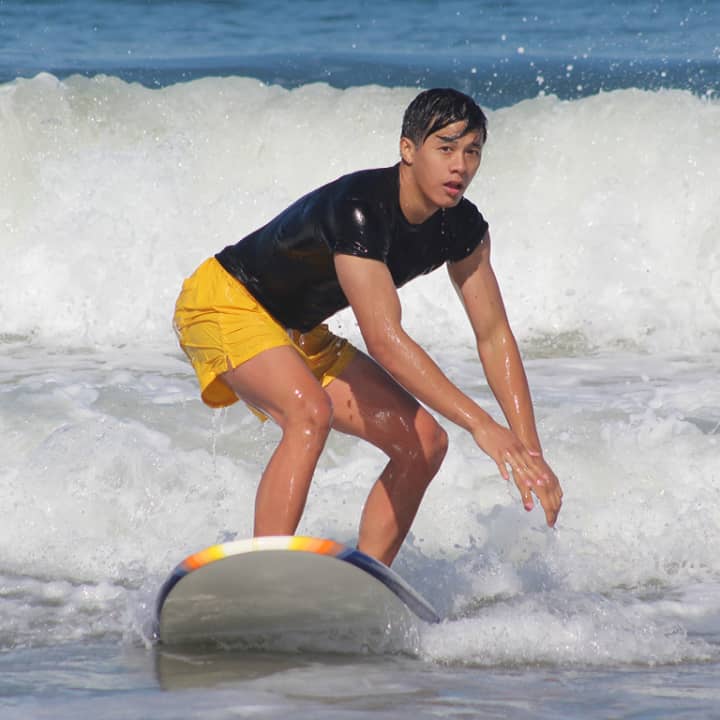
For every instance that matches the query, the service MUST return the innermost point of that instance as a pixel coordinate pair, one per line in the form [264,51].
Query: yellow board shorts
[220,325]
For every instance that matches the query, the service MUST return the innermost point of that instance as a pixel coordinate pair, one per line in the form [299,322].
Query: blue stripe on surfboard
[392,581]
[177,574]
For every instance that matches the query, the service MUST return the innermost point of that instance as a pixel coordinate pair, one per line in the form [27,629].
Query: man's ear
[407,150]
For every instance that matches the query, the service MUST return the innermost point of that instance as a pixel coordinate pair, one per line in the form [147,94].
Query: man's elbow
[384,348]
[500,341]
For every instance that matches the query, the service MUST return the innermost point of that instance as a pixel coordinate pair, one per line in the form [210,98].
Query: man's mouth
[454,188]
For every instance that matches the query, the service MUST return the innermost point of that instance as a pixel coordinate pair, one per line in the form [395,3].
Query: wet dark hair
[433,109]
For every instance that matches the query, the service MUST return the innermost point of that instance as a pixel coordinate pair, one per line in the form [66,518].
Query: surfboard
[248,591]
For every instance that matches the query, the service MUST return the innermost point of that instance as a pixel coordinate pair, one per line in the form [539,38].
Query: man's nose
[459,163]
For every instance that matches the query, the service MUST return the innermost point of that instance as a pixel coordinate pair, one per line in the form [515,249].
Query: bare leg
[278,382]
[369,404]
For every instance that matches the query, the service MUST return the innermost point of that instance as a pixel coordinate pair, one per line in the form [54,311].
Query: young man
[251,321]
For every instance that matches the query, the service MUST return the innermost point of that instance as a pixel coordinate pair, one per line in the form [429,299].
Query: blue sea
[138,138]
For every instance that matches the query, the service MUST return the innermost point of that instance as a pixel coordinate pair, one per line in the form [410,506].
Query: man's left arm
[475,281]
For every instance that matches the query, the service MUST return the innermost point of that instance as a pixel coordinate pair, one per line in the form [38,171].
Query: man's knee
[433,440]
[310,414]
[424,450]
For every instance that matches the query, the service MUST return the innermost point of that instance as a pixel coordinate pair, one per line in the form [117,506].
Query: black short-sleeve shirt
[288,263]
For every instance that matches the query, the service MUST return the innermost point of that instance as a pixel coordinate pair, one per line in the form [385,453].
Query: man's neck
[414,206]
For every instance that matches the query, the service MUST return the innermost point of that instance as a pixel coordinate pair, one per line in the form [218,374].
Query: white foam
[603,210]
[115,471]
[588,630]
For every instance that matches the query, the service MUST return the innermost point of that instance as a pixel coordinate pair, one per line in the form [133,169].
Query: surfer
[252,322]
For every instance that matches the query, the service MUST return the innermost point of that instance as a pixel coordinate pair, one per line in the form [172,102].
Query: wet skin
[376,398]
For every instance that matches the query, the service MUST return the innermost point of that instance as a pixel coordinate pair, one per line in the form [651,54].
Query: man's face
[445,164]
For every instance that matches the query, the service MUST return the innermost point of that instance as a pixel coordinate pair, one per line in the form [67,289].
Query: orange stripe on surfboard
[204,557]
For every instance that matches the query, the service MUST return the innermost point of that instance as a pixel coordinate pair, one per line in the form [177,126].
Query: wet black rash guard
[288,264]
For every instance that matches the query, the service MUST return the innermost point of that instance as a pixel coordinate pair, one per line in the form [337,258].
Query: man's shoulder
[359,191]
[465,216]
[374,182]
[358,213]
[365,198]
[467,228]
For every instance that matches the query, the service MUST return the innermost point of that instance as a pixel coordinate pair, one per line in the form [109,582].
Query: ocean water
[138,138]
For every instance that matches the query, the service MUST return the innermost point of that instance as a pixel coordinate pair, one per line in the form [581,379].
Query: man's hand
[549,492]
[532,475]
